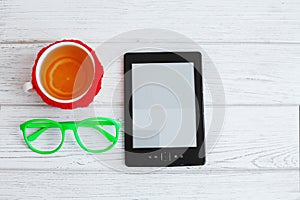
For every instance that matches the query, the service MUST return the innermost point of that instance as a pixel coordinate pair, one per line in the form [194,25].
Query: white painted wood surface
[210,21]
[237,148]
[255,47]
[265,73]
[201,184]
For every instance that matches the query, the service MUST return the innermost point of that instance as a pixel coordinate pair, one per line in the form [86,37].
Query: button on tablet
[165,156]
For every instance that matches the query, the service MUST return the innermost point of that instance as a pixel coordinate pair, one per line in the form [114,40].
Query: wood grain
[201,185]
[254,46]
[251,138]
[262,74]
[209,21]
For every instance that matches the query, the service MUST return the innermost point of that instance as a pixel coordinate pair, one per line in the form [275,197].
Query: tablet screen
[163,105]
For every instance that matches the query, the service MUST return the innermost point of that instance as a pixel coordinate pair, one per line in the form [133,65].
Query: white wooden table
[255,46]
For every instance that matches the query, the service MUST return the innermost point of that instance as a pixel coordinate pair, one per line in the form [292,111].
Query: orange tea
[67,72]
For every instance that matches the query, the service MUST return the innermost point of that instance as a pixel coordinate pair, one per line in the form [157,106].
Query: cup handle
[28,87]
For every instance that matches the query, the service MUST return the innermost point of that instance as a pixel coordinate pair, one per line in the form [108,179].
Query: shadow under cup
[67,72]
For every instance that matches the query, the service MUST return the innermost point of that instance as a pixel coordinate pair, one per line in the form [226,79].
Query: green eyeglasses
[95,135]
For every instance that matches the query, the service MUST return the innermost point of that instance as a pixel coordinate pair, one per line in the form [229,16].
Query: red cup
[66,74]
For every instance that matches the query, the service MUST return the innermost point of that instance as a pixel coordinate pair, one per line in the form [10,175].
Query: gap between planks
[18,42]
[107,105]
[162,170]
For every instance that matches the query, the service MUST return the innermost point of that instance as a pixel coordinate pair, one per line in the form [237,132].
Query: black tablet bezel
[147,157]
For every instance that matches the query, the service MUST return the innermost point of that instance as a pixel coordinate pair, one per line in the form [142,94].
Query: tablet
[164,124]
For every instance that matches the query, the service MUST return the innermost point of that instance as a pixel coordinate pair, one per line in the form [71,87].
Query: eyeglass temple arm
[110,137]
[36,134]
[106,134]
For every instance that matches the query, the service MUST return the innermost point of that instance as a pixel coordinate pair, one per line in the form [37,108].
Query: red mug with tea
[66,74]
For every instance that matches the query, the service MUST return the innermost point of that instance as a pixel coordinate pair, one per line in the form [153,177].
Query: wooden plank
[262,74]
[266,185]
[231,21]
[256,137]
[255,48]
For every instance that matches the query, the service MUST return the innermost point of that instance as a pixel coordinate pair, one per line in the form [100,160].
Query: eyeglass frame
[71,125]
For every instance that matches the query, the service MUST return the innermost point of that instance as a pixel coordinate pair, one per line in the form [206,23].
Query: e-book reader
[164,124]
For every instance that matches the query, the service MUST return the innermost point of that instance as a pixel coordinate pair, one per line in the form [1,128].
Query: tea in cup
[66,74]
